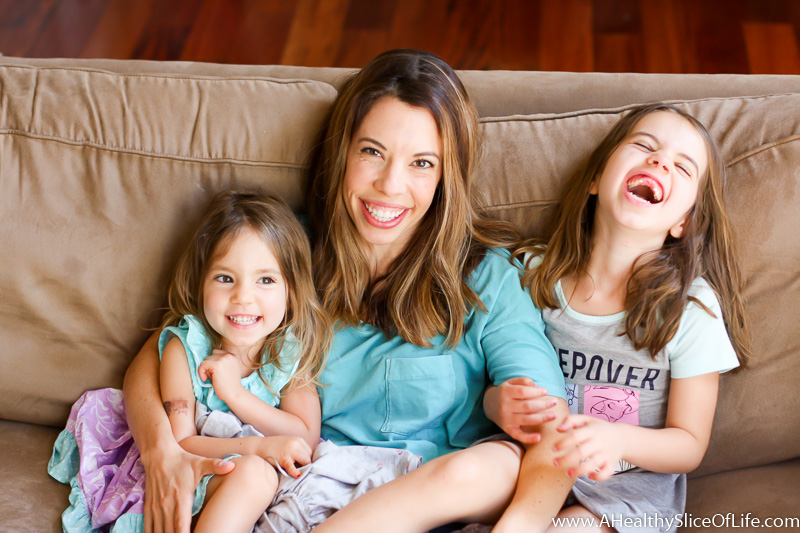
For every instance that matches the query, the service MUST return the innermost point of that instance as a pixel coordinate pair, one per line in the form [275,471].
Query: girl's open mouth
[645,188]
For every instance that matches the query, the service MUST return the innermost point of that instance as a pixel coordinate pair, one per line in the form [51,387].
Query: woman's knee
[479,464]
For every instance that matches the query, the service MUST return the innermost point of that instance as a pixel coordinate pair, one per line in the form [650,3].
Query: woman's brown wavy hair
[229,214]
[658,288]
[424,293]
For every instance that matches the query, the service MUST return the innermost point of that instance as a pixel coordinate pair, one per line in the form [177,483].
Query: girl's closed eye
[644,146]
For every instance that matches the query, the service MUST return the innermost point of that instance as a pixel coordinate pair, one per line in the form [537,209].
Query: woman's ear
[595,186]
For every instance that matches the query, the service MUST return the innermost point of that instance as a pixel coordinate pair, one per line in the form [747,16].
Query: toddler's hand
[517,406]
[286,451]
[224,371]
[590,446]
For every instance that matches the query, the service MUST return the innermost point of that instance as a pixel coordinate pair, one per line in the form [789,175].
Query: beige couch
[105,164]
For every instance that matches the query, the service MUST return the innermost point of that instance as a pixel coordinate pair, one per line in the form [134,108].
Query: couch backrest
[104,165]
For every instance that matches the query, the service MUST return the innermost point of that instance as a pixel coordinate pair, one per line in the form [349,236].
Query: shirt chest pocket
[419,392]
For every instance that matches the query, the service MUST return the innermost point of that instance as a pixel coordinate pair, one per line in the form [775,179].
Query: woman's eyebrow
[686,156]
[373,141]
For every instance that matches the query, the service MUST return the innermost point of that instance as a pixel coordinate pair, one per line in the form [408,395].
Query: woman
[427,304]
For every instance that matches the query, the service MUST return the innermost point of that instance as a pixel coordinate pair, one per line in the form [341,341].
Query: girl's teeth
[243,320]
[384,215]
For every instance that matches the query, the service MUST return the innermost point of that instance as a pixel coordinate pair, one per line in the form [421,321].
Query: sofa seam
[543,117]
[120,149]
[750,153]
[267,79]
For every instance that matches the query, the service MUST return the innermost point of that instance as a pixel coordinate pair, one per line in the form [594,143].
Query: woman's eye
[370,151]
[222,278]
[422,163]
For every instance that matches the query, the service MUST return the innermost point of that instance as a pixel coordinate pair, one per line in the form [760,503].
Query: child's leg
[235,501]
[474,484]
[542,487]
[582,521]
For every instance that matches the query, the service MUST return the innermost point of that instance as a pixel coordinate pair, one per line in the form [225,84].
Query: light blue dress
[96,454]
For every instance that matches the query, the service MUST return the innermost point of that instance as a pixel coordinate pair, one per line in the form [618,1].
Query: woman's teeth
[384,214]
[243,320]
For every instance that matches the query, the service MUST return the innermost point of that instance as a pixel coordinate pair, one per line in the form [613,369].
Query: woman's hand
[170,479]
[225,372]
[591,446]
[518,405]
[286,451]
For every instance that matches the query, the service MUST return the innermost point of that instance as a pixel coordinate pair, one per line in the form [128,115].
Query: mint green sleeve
[701,344]
[513,337]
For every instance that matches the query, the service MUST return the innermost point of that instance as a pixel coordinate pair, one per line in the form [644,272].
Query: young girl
[641,297]
[243,343]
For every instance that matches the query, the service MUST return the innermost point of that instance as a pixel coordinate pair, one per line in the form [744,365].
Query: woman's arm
[677,448]
[171,474]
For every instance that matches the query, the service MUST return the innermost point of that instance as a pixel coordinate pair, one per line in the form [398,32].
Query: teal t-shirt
[381,391]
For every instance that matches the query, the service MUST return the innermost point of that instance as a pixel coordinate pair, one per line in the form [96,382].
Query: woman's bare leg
[473,485]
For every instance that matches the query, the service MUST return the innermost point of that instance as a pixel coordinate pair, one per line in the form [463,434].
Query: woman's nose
[390,181]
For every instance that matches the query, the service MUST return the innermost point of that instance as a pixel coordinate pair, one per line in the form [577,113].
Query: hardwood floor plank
[470,28]
[567,41]
[22,23]
[719,42]
[370,15]
[419,24]
[669,36]
[67,28]
[517,36]
[616,16]
[618,52]
[666,39]
[316,34]
[168,26]
[360,46]
[762,39]
[264,34]
[118,30]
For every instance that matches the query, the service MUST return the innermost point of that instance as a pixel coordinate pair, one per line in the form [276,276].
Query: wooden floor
[707,36]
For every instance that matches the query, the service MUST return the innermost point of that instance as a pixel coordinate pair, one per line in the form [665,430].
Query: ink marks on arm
[178,406]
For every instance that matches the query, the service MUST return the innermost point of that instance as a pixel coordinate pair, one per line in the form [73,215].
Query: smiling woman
[393,169]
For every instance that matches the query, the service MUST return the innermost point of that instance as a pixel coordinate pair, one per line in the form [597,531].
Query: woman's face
[394,164]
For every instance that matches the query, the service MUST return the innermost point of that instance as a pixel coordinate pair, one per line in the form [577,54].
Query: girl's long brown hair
[425,292]
[658,288]
[229,214]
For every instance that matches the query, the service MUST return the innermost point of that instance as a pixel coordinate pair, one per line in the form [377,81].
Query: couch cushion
[732,501]
[30,500]
[527,160]
[102,175]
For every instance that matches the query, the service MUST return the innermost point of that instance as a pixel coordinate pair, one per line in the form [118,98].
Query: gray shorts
[336,476]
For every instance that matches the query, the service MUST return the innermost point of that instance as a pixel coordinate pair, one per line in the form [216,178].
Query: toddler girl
[641,297]
[243,343]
